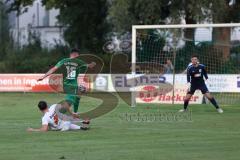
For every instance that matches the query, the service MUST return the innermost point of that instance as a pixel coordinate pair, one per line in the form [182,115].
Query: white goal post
[180,27]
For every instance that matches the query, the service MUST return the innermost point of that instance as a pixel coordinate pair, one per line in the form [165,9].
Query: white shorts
[67,125]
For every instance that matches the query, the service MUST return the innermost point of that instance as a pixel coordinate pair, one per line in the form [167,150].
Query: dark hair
[69,102]
[42,105]
[194,56]
[74,50]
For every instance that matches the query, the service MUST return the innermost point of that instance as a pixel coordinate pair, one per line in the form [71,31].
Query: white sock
[74,127]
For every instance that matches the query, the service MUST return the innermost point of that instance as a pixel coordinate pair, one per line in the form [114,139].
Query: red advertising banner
[29,83]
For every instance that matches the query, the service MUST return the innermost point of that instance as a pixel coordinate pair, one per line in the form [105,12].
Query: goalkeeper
[72,66]
[195,78]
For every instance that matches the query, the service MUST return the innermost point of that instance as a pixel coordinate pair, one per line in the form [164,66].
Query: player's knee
[208,96]
[66,126]
[187,98]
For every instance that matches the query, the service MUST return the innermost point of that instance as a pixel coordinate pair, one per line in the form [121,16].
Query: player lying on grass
[195,78]
[59,117]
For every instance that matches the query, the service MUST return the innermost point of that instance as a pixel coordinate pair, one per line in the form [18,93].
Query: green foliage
[29,60]
[88,21]
[4,31]
[222,12]
[106,60]
[235,57]
[150,46]
[85,20]
[208,55]
[32,58]
[16,5]
[125,13]
[86,26]
[189,9]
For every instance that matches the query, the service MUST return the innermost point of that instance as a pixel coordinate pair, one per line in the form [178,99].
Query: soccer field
[207,135]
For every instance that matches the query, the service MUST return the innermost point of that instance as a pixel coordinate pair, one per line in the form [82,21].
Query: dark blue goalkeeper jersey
[195,74]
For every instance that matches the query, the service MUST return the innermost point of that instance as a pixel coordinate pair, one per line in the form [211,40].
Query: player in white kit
[54,118]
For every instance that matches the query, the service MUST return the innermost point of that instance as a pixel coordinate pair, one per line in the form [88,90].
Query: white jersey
[51,119]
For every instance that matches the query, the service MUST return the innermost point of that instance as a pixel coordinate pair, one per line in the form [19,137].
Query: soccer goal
[161,54]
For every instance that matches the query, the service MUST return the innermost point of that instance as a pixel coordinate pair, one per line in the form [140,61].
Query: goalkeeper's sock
[185,104]
[76,104]
[213,101]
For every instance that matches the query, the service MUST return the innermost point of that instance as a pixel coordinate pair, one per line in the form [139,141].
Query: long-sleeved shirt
[195,74]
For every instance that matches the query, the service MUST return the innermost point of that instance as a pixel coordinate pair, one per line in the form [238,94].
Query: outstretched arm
[205,73]
[188,76]
[91,65]
[51,71]
[44,128]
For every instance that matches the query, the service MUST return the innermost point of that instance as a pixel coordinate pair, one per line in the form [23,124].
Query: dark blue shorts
[203,88]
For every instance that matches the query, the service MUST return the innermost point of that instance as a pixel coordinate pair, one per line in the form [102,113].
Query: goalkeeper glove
[188,86]
[207,82]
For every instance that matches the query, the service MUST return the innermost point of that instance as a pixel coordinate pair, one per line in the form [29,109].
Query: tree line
[89,21]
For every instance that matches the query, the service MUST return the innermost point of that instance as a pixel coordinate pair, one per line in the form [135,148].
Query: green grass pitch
[207,136]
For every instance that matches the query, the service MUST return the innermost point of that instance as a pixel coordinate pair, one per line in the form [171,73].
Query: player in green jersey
[72,66]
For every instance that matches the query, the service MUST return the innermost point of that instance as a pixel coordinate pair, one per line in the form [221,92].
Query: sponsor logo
[101,83]
[148,93]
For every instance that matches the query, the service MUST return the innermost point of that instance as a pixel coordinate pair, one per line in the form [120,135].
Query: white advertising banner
[224,83]
[119,82]
[151,93]
[215,82]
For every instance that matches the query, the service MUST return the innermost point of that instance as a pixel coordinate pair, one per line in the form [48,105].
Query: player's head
[66,103]
[74,53]
[194,59]
[169,61]
[42,105]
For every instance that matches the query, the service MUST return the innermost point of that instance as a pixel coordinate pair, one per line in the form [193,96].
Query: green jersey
[71,67]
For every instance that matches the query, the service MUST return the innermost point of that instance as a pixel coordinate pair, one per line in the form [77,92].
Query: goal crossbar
[185,26]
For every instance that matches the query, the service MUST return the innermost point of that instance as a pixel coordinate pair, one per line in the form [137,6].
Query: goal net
[161,54]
